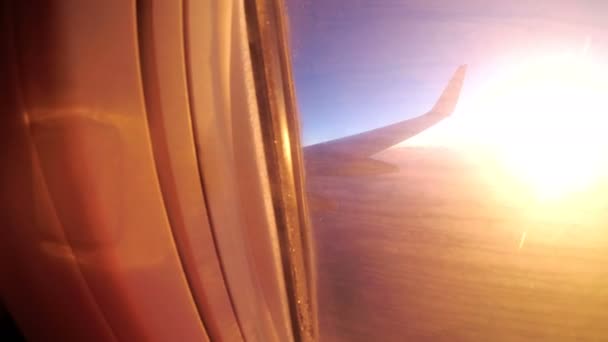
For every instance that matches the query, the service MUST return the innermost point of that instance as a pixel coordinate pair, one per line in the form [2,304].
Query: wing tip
[446,103]
[460,73]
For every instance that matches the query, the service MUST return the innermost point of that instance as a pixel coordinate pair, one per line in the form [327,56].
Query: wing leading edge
[355,149]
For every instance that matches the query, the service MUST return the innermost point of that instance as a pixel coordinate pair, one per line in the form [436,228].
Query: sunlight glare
[542,122]
[548,123]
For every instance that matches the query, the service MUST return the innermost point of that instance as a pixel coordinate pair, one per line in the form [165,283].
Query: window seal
[274,86]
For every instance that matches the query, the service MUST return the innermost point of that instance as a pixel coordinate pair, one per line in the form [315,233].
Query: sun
[540,122]
[546,122]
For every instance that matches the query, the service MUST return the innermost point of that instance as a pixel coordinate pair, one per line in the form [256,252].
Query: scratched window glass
[456,161]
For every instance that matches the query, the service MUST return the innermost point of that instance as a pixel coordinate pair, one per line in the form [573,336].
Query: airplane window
[455,158]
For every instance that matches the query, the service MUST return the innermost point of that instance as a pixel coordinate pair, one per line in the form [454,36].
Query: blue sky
[361,64]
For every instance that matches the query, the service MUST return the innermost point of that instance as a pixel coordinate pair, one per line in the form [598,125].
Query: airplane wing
[350,155]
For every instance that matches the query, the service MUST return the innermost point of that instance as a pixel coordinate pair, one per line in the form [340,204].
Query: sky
[362,64]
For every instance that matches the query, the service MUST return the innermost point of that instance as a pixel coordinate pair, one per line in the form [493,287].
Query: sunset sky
[361,64]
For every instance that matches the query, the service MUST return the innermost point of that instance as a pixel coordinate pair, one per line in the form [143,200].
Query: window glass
[456,161]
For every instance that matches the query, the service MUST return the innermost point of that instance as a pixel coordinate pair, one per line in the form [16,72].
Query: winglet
[447,101]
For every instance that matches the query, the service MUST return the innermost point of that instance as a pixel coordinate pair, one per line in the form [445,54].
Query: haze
[491,225]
